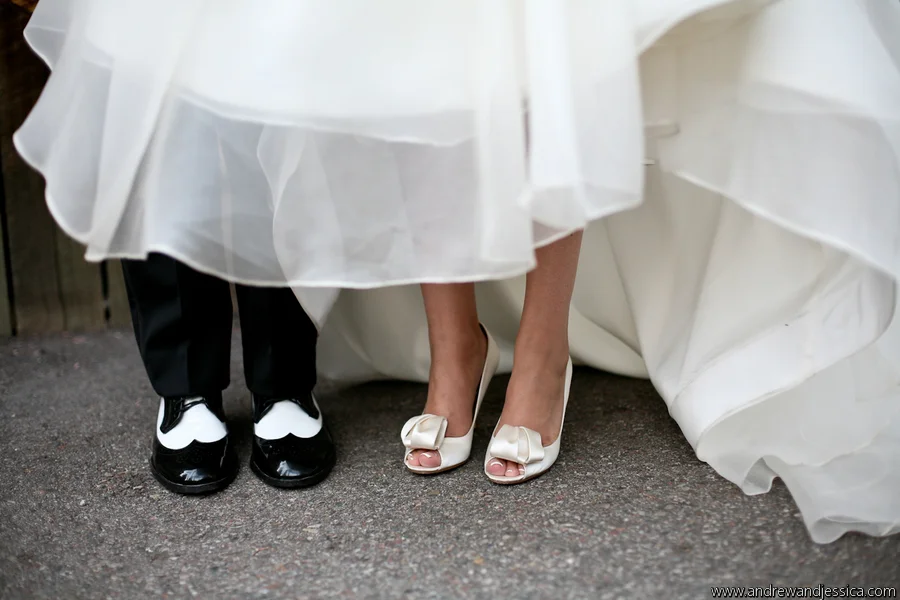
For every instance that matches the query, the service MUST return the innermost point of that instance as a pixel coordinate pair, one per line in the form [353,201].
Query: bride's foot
[534,400]
[452,385]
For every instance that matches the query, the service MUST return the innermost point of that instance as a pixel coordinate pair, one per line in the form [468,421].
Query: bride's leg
[534,397]
[458,349]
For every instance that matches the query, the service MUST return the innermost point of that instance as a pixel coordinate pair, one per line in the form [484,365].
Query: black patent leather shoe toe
[199,468]
[195,467]
[292,461]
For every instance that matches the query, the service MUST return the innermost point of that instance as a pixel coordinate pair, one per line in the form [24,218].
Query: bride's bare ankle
[537,359]
[460,353]
[453,382]
[534,395]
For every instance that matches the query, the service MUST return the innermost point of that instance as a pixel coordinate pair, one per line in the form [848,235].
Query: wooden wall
[45,284]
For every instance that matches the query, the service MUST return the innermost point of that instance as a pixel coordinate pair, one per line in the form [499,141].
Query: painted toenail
[427,454]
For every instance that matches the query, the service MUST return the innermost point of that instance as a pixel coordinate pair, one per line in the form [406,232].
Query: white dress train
[736,164]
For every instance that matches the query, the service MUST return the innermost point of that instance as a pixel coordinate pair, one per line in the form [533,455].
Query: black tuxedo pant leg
[183,321]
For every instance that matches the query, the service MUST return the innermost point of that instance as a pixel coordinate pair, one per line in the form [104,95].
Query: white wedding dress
[736,164]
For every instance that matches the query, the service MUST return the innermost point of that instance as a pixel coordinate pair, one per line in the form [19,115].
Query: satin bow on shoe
[425,432]
[517,444]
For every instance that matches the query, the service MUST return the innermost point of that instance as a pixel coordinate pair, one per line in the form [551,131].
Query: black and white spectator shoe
[192,453]
[292,447]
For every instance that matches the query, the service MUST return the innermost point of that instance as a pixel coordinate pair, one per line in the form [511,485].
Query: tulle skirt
[735,163]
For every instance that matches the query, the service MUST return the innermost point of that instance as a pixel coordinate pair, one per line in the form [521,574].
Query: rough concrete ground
[627,512]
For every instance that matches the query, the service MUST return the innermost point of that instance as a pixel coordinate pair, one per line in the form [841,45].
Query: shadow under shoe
[200,467]
[293,447]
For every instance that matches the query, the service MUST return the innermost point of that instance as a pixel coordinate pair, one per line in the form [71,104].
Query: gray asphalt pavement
[627,512]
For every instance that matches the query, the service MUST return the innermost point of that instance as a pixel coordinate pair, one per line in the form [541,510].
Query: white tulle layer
[326,145]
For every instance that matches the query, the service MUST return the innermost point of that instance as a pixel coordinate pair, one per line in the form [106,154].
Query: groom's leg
[279,343]
[182,322]
[292,448]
